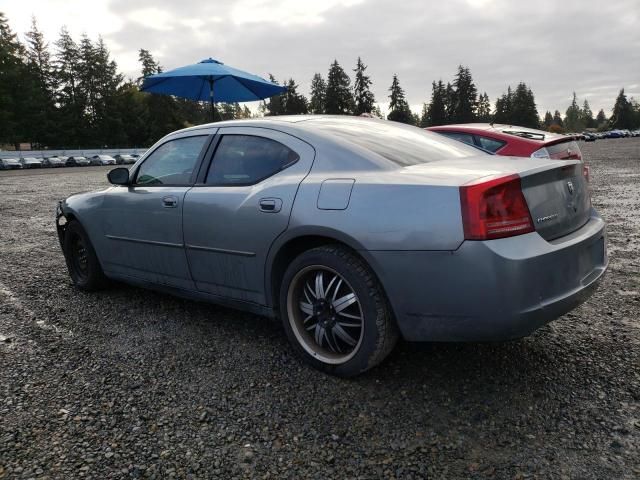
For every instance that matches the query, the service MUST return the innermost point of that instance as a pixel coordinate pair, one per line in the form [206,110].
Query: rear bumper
[494,290]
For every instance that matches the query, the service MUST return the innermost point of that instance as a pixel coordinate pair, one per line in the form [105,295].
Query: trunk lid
[556,207]
[558,200]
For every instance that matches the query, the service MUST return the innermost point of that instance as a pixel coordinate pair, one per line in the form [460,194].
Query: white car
[10,164]
[31,162]
[103,160]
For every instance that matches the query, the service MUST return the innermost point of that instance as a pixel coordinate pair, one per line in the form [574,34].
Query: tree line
[71,94]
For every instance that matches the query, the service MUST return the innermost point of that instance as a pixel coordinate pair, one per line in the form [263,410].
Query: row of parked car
[593,136]
[70,161]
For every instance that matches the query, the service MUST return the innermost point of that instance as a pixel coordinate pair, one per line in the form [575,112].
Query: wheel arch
[294,242]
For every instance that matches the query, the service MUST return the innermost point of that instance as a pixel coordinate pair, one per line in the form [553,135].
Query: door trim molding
[221,250]
[148,242]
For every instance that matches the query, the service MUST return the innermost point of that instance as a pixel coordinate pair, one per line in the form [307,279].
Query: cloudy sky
[554,46]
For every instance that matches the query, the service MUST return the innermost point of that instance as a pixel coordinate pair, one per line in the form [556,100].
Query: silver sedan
[353,231]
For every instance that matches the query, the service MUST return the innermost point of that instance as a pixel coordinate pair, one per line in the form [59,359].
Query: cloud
[555,47]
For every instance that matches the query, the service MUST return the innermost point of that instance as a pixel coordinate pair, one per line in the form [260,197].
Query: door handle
[170,202]
[270,205]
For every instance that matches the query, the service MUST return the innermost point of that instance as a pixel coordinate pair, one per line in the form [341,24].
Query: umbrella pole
[213,108]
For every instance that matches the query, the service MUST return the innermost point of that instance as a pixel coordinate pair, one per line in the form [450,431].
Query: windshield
[401,144]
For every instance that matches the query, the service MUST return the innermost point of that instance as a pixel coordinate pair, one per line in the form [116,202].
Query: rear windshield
[402,145]
[566,149]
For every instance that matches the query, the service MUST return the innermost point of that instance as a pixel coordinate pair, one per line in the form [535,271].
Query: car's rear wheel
[82,262]
[335,312]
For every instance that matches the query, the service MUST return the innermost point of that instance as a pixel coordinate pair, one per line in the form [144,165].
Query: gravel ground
[128,383]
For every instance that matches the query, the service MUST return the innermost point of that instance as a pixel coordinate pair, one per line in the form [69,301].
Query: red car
[511,140]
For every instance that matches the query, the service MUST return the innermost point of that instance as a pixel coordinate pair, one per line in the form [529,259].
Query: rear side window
[172,163]
[461,137]
[489,144]
[247,159]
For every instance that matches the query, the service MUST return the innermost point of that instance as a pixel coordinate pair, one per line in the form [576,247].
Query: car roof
[320,132]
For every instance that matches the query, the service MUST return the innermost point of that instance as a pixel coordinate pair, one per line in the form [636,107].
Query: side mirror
[119,176]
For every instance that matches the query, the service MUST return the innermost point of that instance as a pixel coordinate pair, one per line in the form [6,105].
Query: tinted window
[461,137]
[564,150]
[402,145]
[171,163]
[245,160]
[490,144]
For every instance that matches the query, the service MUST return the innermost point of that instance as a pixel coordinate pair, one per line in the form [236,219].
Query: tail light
[541,153]
[494,209]
[586,171]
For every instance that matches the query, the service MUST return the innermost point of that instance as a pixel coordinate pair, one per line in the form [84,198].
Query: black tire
[84,268]
[379,332]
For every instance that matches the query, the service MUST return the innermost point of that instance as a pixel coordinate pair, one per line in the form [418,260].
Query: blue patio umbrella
[213,81]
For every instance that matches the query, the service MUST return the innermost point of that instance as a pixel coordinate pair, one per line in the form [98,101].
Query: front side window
[247,159]
[172,163]
[490,144]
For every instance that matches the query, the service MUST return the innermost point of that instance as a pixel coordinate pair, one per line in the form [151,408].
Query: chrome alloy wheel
[325,314]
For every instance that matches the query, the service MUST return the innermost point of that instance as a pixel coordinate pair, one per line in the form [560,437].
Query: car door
[142,222]
[242,205]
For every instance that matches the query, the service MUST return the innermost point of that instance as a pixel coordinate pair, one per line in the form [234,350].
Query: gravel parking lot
[128,383]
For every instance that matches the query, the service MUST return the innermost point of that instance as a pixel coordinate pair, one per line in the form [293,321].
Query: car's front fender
[84,208]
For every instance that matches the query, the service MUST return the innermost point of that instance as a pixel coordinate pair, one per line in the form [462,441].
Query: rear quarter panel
[383,214]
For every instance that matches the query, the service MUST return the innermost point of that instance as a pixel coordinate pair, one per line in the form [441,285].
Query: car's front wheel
[335,313]
[84,268]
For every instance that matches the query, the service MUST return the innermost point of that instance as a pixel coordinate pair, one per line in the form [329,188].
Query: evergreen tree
[275,103]
[517,107]
[450,103]
[573,116]
[162,110]
[363,96]
[399,110]
[587,115]
[39,60]
[86,86]
[557,119]
[318,94]
[635,105]
[423,122]
[622,115]
[106,83]
[294,103]
[465,97]
[548,120]
[41,112]
[437,110]
[376,112]
[338,100]
[523,107]
[70,97]
[149,65]
[484,108]
[601,119]
[131,104]
[12,77]
[503,111]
